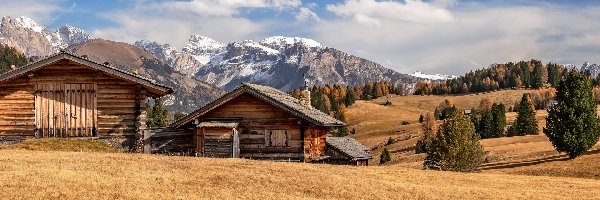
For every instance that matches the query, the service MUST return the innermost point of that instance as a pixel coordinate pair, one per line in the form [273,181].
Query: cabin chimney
[305,94]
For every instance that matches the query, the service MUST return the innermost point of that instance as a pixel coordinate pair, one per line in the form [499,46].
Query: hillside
[375,124]
[189,94]
[84,175]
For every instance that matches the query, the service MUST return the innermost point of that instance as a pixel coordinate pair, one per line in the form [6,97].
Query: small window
[277,138]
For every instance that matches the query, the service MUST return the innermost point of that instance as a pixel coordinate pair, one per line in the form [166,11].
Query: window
[276,138]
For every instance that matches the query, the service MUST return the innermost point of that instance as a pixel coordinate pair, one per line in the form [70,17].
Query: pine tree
[428,128]
[525,124]
[385,156]
[456,146]
[157,115]
[486,125]
[573,124]
[350,97]
[499,120]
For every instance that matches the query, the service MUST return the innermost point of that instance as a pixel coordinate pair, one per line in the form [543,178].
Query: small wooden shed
[347,151]
[271,125]
[65,95]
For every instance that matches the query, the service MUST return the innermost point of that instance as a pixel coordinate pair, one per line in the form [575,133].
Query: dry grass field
[532,155]
[26,174]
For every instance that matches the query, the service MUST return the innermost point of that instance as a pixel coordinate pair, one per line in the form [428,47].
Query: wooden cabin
[261,123]
[65,95]
[347,151]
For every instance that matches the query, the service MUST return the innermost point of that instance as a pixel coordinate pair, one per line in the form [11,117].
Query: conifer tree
[350,97]
[385,156]
[486,125]
[157,115]
[537,75]
[573,124]
[525,124]
[456,146]
[499,120]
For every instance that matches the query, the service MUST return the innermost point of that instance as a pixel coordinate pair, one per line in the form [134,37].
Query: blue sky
[433,36]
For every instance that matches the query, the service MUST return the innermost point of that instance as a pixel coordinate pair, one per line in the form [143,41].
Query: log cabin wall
[266,131]
[115,100]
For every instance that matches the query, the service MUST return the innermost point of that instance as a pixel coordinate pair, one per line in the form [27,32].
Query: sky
[432,36]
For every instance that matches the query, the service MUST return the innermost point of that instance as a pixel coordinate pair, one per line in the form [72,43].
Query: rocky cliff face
[35,40]
[280,62]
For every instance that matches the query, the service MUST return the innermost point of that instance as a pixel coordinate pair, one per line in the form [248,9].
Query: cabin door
[65,110]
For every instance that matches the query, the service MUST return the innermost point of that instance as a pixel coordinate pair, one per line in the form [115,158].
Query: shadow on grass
[524,163]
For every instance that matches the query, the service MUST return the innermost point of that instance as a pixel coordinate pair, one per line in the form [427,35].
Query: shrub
[573,124]
[421,118]
[385,156]
[456,146]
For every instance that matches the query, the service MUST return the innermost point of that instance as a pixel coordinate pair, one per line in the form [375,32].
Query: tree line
[524,74]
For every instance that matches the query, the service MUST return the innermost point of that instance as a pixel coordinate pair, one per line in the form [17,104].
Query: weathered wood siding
[266,132]
[172,141]
[115,99]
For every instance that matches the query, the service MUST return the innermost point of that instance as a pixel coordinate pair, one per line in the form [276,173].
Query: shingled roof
[349,147]
[64,55]
[271,95]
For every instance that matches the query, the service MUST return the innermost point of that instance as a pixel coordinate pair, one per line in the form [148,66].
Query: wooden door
[65,110]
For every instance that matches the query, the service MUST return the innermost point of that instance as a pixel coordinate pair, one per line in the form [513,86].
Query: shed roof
[349,147]
[271,95]
[217,124]
[63,55]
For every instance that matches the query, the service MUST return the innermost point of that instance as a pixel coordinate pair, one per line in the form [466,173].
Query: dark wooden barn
[347,151]
[258,121]
[65,95]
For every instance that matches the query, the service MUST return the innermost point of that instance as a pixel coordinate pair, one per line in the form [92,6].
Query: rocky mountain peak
[71,35]
[202,48]
[281,42]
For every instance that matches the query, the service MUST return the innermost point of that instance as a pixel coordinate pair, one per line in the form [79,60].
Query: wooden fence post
[147,141]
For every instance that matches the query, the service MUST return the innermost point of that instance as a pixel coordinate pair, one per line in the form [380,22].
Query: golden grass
[85,175]
[76,145]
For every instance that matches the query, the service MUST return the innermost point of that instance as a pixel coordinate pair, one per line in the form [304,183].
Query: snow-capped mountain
[33,39]
[276,61]
[593,69]
[436,77]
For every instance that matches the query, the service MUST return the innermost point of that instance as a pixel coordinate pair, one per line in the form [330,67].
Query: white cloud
[305,14]
[372,12]
[173,21]
[42,11]
[478,33]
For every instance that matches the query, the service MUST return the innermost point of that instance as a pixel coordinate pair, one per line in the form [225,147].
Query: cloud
[305,14]
[42,11]
[371,12]
[172,21]
[469,35]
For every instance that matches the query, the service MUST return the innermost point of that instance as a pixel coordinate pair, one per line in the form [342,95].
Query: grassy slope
[81,175]
[531,155]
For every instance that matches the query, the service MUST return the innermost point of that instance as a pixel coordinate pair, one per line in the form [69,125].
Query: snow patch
[419,74]
[283,41]
[30,24]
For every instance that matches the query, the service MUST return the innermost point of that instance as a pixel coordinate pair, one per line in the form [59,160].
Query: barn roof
[63,55]
[271,95]
[349,147]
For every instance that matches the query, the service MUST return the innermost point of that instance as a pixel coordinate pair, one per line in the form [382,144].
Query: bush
[388,103]
[385,156]
[573,124]
[456,146]
[421,118]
